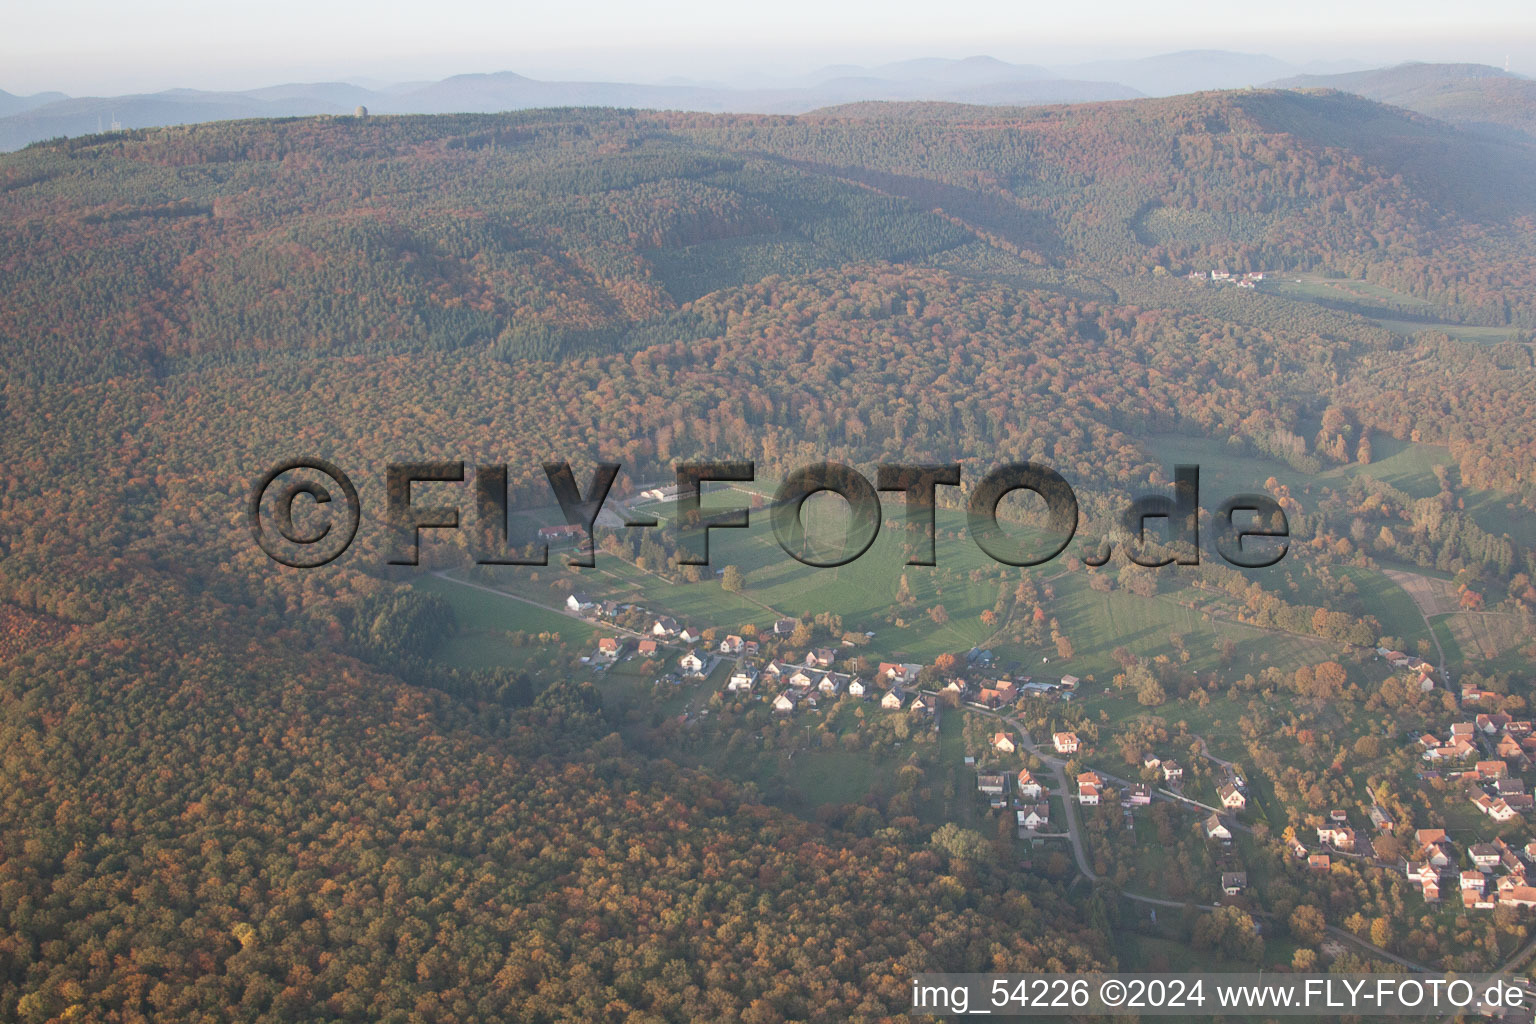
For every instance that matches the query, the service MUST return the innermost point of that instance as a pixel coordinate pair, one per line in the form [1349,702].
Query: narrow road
[1338,933]
[1058,769]
[1074,834]
[1205,752]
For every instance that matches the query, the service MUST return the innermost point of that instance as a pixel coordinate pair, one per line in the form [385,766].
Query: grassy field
[485,620]
[1373,298]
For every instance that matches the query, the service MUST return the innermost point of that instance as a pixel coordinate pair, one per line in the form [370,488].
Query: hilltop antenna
[1506,63]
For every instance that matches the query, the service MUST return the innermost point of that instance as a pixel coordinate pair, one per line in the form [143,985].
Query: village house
[1151,761]
[742,679]
[1338,837]
[1029,787]
[1215,829]
[899,673]
[784,627]
[1473,880]
[1471,693]
[961,688]
[1319,861]
[691,663]
[1070,682]
[1003,743]
[1234,882]
[1485,856]
[609,647]
[1065,742]
[1034,818]
[1438,855]
[1172,772]
[1520,896]
[992,783]
[856,688]
[1492,769]
[1496,807]
[568,532]
[665,626]
[1427,878]
[1492,725]
[1232,798]
[732,644]
[646,648]
[1472,900]
[1089,789]
[786,701]
[579,602]
[689,636]
[804,678]
[833,683]
[892,700]
[1381,819]
[1137,794]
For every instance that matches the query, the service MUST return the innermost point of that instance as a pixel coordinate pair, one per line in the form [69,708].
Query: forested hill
[549,230]
[238,792]
[1475,96]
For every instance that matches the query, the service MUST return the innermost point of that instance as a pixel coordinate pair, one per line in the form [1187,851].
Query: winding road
[1074,835]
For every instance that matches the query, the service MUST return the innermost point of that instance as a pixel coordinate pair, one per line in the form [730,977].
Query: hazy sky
[92,46]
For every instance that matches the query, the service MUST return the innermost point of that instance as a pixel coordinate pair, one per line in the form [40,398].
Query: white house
[1232,798]
[784,702]
[856,688]
[1001,741]
[1029,787]
[1035,818]
[1065,742]
[1214,829]
[805,678]
[742,680]
[892,700]
[579,602]
[691,663]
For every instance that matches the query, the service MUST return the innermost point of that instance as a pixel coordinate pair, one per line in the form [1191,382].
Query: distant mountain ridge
[1477,97]
[1472,96]
[24,120]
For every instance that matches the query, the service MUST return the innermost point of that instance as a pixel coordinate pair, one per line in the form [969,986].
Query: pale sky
[90,46]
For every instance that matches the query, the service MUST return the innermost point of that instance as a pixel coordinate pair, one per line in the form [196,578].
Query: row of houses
[1248,280]
[1498,876]
[612,648]
[1173,772]
[1420,672]
[1489,738]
